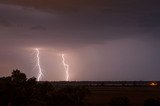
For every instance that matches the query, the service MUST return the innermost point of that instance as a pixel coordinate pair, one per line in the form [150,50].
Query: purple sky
[102,39]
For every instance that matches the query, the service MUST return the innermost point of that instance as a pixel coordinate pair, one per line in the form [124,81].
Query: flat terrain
[100,96]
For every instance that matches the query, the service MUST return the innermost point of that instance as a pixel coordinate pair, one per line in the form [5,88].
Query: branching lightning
[38,65]
[40,70]
[66,67]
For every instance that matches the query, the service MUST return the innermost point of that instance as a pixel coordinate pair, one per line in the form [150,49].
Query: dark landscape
[17,90]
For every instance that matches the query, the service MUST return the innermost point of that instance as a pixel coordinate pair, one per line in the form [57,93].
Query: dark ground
[18,90]
[101,96]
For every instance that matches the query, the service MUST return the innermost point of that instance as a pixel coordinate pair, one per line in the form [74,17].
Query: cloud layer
[104,40]
[101,21]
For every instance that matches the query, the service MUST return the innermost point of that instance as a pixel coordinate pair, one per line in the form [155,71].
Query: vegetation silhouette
[17,90]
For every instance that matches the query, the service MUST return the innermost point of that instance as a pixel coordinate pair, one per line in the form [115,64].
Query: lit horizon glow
[38,65]
[66,67]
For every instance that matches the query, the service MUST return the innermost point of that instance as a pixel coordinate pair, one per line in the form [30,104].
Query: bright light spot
[153,84]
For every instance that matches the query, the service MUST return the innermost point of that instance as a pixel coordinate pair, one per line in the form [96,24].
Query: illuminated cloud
[72,26]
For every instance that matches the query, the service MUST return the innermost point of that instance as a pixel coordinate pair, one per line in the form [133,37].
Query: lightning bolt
[38,65]
[66,67]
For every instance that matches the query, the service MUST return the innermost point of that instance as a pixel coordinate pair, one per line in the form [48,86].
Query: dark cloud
[102,20]
[75,25]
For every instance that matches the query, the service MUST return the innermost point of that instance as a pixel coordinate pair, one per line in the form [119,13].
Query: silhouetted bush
[17,90]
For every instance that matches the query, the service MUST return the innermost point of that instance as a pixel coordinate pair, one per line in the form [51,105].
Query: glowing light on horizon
[153,84]
[38,65]
[66,67]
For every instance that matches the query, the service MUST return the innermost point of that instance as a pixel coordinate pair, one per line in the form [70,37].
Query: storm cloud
[79,27]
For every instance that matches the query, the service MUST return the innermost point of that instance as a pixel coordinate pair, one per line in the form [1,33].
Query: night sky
[101,39]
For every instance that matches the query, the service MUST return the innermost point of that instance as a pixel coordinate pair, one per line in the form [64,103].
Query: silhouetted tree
[18,77]
[17,90]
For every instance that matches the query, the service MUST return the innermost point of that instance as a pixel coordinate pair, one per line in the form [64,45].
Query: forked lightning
[66,67]
[39,77]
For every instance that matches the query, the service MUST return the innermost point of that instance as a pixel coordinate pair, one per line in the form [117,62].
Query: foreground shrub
[17,90]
